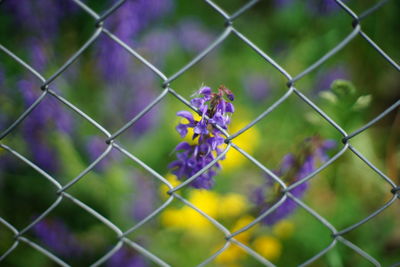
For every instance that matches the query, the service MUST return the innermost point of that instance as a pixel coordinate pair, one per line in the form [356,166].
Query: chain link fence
[111,140]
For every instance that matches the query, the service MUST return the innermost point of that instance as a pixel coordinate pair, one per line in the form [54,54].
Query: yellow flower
[173,218]
[212,204]
[205,200]
[188,137]
[248,141]
[268,247]
[195,222]
[189,219]
[242,222]
[230,256]
[232,205]
[283,229]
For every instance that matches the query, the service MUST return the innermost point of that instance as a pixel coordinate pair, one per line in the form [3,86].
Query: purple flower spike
[55,234]
[215,111]
[292,169]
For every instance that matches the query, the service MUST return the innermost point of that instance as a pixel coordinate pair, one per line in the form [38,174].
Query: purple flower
[33,16]
[48,111]
[113,59]
[193,158]
[129,83]
[3,117]
[129,97]
[257,87]
[95,147]
[144,198]
[126,23]
[282,3]
[2,76]
[292,169]
[323,7]
[56,235]
[127,258]
[38,54]
[156,45]
[144,83]
[42,154]
[193,36]
[135,16]
[46,117]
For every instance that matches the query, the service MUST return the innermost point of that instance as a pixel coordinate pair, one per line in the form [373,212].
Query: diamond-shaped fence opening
[239,240]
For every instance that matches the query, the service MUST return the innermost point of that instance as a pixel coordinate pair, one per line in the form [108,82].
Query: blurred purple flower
[292,169]
[134,16]
[193,36]
[40,22]
[156,46]
[193,158]
[282,3]
[323,7]
[126,23]
[129,97]
[3,123]
[144,198]
[326,78]
[2,76]
[56,235]
[113,60]
[3,117]
[40,123]
[95,147]
[33,16]
[143,83]
[132,82]
[38,54]
[63,120]
[320,7]
[256,86]
[43,155]
[48,111]
[125,257]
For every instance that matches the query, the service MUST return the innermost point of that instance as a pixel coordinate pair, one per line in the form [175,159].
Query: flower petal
[205,90]
[197,102]
[229,107]
[186,114]
[183,146]
[182,129]
[201,128]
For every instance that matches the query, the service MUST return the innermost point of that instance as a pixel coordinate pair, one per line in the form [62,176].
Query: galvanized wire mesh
[111,140]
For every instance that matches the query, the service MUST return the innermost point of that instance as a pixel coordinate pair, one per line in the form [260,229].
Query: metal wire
[112,140]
